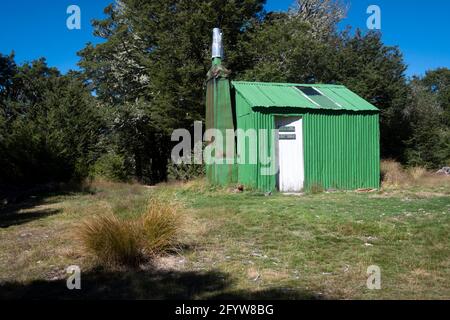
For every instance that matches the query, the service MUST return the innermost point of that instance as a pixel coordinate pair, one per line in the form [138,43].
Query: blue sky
[36,29]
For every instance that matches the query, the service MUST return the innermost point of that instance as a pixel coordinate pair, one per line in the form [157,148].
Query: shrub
[115,241]
[110,166]
[185,172]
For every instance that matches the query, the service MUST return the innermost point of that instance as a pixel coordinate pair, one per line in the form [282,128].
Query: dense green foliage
[151,69]
[148,79]
[49,124]
[429,116]
[111,167]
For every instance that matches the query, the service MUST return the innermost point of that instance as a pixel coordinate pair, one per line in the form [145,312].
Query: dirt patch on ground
[269,275]
[170,263]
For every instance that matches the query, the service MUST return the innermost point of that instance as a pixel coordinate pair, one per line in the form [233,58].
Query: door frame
[277,149]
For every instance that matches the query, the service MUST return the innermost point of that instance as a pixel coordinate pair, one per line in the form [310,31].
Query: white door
[290,154]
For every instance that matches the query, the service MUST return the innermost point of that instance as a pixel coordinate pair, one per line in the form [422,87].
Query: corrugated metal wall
[341,148]
[251,174]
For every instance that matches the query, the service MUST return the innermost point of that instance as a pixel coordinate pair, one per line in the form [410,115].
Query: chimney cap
[217,46]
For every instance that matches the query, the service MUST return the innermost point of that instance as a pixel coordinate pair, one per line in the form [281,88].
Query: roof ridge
[287,84]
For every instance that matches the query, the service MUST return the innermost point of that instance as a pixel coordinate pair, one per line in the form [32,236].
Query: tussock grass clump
[316,188]
[159,227]
[115,241]
[417,173]
[392,173]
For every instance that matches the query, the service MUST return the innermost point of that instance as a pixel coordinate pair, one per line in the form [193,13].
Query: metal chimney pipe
[217,46]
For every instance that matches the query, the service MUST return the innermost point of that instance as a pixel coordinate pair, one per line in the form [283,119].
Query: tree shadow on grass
[25,211]
[22,204]
[143,285]
[14,219]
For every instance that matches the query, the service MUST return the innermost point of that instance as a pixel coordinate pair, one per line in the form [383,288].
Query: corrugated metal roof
[265,94]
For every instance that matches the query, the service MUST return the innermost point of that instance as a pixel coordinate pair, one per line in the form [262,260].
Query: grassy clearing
[323,243]
[242,245]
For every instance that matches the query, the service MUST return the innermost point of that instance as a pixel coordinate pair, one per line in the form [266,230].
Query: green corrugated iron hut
[314,134]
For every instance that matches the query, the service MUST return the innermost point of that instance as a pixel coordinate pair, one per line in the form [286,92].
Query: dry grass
[429,179]
[116,241]
[417,173]
[316,188]
[392,173]
[395,175]
[111,240]
[101,184]
[159,227]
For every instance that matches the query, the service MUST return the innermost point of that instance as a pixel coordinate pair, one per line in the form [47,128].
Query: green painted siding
[251,175]
[219,115]
[341,145]
[341,149]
